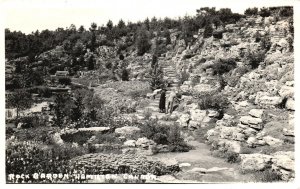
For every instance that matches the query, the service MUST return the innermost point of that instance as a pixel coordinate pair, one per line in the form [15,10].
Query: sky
[32,15]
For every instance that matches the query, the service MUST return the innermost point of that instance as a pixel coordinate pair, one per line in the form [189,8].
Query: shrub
[267,175]
[176,142]
[253,59]
[78,137]
[223,66]
[38,134]
[64,81]
[216,102]
[107,138]
[208,31]
[163,134]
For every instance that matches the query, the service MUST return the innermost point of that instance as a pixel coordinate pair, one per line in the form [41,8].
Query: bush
[64,81]
[267,175]
[78,137]
[216,102]
[107,138]
[253,59]
[38,134]
[223,66]
[163,134]
[176,142]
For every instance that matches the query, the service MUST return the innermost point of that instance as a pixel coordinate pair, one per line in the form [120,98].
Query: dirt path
[204,167]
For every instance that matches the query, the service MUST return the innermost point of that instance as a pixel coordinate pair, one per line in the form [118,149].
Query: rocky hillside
[236,79]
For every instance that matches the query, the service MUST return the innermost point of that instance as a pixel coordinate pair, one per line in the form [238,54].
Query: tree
[81,29]
[125,75]
[156,75]
[251,11]
[264,12]
[109,24]
[59,109]
[19,99]
[93,39]
[147,24]
[208,31]
[91,63]
[142,42]
[77,110]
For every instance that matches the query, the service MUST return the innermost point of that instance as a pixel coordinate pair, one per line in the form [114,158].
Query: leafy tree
[19,99]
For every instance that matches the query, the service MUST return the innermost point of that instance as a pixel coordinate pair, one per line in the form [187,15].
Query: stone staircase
[170,75]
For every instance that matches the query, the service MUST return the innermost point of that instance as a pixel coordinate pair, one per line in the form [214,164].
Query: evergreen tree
[125,75]
[142,42]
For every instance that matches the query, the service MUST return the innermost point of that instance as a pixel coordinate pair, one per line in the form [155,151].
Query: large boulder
[128,131]
[284,164]
[198,115]
[264,99]
[286,91]
[257,113]
[290,104]
[255,162]
[251,121]
[183,120]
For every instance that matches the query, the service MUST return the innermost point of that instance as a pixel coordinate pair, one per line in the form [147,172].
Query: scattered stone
[258,113]
[144,142]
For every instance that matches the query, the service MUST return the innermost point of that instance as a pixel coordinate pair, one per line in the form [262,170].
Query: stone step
[154,103]
[152,108]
